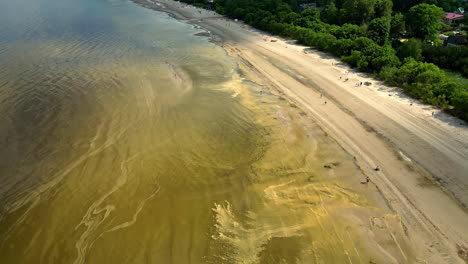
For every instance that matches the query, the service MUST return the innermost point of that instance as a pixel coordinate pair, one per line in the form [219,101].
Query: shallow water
[127,139]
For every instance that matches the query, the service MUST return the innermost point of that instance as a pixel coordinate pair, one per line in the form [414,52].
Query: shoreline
[393,132]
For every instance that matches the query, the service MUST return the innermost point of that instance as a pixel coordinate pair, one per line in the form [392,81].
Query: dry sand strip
[393,132]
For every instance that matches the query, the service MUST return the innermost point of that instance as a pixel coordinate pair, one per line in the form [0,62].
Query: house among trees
[453,19]
[309,6]
[456,40]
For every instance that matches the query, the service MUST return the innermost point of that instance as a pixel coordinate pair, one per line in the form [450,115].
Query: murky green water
[127,139]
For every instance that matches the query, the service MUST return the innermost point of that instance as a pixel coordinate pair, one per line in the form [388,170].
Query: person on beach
[325,102]
[366,181]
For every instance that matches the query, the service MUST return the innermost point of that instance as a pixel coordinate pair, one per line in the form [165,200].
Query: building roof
[452,16]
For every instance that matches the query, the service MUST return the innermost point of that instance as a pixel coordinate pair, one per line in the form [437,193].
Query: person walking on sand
[366,181]
[325,102]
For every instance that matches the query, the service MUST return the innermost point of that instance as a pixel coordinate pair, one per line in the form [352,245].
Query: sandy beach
[422,152]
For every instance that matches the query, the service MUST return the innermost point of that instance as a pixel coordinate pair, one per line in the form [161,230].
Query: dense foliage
[367,34]
[453,58]
[423,20]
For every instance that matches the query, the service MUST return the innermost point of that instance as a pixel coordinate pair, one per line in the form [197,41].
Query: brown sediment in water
[320,210]
[224,172]
[182,80]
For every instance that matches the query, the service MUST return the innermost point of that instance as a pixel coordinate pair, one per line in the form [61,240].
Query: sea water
[126,138]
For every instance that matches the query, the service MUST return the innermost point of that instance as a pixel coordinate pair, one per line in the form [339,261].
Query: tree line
[367,34]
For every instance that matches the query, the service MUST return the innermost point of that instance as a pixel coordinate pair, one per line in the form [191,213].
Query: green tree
[368,56]
[324,41]
[404,5]
[311,14]
[339,3]
[230,6]
[342,47]
[250,18]
[430,2]
[465,18]
[294,5]
[290,18]
[363,43]
[324,2]
[384,57]
[330,14]
[379,30]
[411,48]
[307,18]
[283,7]
[239,13]
[453,58]
[397,25]
[383,8]
[347,31]
[357,59]
[419,79]
[450,5]
[424,20]
[460,103]
[357,11]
